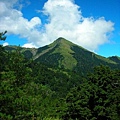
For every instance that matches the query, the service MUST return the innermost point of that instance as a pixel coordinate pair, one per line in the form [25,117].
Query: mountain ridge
[67,55]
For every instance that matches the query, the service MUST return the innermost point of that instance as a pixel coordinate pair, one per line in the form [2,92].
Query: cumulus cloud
[29,45]
[13,21]
[64,20]
[5,44]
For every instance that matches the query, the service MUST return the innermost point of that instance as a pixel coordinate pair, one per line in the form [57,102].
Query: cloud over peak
[64,20]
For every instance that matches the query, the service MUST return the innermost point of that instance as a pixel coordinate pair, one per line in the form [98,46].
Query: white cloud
[64,20]
[29,45]
[5,44]
[13,21]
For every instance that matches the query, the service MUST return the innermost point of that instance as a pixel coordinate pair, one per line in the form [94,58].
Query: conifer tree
[96,99]
[2,35]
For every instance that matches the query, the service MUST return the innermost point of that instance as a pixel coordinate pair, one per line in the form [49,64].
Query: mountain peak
[60,39]
[62,42]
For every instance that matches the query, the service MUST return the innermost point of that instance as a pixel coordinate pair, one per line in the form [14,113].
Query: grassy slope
[64,54]
[64,48]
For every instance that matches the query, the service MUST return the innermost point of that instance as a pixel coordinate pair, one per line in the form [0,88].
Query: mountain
[115,59]
[67,55]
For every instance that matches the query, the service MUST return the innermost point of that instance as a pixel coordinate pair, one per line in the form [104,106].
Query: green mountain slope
[58,54]
[66,55]
[115,59]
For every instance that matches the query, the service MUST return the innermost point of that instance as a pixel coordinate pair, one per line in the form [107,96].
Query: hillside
[66,55]
[115,59]
[35,91]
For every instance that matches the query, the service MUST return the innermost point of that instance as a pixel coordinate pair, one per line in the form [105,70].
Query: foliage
[20,96]
[98,98]
[2,35]
[3,58]
[31,90]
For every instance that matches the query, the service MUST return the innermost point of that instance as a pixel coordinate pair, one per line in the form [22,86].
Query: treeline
[33,91]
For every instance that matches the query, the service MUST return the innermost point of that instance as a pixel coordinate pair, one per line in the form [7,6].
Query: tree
[2,35]
[2,52]
[21,98]
[19,65]
[97,98]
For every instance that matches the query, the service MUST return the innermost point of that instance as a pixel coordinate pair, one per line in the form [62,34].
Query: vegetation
[97,98]
[61,53]
[31,90]
[2,35]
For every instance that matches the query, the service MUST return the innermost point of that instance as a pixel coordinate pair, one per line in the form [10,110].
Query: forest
[31,90]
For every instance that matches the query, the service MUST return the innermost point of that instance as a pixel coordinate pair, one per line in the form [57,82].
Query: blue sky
[92,24]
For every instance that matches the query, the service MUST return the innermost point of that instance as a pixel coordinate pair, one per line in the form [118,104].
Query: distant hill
[64,54]
[115,59]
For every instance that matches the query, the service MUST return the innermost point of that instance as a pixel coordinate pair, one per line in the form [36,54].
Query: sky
[92,24]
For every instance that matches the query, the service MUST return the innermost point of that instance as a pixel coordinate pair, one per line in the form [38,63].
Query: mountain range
[66,55]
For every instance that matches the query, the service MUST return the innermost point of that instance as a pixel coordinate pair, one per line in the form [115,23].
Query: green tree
[3,57]
[21,98]
[97,98]
[19,65]
[2,35]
